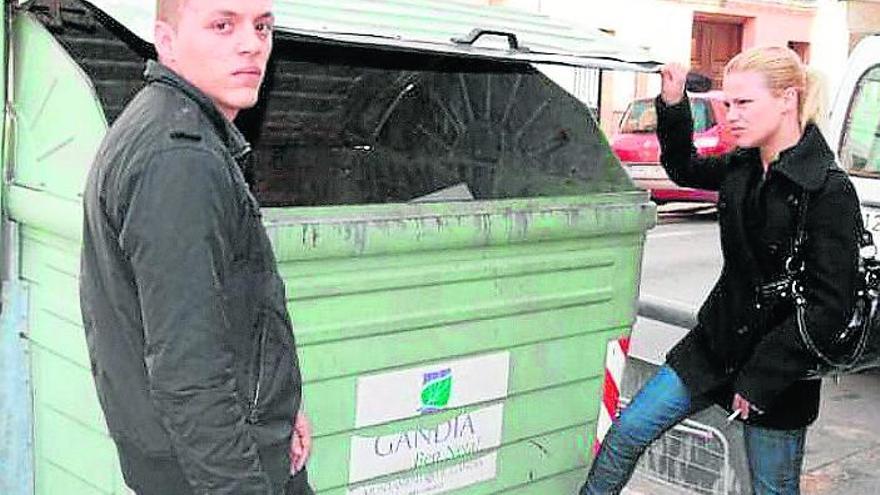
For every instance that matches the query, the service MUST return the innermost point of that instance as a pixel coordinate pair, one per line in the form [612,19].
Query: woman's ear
[790,99]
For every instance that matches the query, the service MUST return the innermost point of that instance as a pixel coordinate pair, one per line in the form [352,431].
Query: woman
[745,352]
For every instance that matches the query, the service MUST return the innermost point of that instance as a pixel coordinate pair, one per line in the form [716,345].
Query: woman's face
[755,113]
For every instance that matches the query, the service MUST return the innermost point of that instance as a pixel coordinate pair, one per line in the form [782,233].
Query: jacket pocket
[274,368]
[258,373]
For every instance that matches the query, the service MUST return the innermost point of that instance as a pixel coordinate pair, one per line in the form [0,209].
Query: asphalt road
[682,261]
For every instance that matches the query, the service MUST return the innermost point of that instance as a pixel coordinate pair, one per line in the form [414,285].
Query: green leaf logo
[436,391]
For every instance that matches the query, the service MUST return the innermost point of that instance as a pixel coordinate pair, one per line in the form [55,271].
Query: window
[641,117]
[701,111]
[860,146]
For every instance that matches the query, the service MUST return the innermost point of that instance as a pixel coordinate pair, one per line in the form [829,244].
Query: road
[682,261]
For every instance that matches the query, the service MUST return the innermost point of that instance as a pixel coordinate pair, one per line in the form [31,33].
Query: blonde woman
[745,353]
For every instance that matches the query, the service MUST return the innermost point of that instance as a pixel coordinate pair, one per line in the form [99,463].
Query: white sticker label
[452,478]
[871,218]
[460,436]
[408,393]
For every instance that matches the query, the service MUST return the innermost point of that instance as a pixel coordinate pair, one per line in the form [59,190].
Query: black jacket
[740,345]
[185,315]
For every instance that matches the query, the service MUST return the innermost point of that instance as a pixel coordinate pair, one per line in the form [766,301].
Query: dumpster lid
[454,27]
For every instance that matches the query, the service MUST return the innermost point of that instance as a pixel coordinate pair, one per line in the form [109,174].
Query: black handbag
[856,347]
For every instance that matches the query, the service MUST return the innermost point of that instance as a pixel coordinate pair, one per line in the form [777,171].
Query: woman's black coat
[739,344]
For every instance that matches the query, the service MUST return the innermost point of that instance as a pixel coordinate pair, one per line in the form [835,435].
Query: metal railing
[692,457]
[666,311]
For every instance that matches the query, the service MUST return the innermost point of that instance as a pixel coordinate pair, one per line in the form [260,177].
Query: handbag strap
[865,238]
[795,267]
[795,262]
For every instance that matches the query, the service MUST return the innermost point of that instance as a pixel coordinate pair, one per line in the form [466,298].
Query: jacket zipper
[254,416]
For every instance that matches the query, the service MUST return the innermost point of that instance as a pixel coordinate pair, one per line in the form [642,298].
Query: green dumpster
[458,243]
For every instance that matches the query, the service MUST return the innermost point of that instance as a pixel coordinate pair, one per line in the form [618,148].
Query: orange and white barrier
[615,362]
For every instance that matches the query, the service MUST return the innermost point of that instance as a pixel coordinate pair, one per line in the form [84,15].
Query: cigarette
[733,415]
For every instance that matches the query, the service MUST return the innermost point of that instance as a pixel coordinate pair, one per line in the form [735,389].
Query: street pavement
[682,260]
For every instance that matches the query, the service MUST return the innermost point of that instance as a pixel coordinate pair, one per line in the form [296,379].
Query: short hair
[168,10]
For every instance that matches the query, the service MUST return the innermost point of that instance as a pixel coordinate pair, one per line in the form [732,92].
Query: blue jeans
[775,456]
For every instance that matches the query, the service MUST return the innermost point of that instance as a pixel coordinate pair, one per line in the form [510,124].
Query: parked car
[636,145]
[855,124]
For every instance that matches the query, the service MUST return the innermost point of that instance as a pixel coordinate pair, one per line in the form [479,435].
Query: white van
[854,128]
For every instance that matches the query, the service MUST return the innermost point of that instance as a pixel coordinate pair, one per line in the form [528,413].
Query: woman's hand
[743,407]
[674,77]
[301,442]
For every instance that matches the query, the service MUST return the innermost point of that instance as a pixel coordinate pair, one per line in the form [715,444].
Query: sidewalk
[842,454]
[843,447]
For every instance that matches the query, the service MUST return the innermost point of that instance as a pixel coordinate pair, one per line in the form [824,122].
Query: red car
[635,144]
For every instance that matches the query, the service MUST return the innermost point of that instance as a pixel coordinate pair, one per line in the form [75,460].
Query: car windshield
[641,117]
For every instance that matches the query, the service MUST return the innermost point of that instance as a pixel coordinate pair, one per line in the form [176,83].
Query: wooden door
[802,48]
[713,44]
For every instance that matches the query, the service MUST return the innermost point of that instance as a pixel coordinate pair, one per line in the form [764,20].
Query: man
[191,345]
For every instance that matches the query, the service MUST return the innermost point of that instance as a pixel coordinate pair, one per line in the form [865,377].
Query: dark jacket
[739,344]
[185,314]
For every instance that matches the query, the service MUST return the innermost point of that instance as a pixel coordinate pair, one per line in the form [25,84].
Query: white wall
[640,22]
[637,22]
[830,41]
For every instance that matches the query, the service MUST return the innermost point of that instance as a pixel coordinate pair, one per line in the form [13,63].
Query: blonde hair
[782,68]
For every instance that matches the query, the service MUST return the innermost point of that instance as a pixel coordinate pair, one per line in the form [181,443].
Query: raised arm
[675,129]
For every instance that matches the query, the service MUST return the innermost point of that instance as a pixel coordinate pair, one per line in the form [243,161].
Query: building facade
[705,34]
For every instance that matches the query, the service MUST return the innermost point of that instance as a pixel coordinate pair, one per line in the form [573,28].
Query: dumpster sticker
[460,436]
[452,478]
[409,393]
[436,390]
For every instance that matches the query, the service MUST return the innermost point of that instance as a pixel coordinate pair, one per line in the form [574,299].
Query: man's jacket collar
[807,163]
[231,136]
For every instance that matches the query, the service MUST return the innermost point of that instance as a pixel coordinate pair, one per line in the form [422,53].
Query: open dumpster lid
[442,26]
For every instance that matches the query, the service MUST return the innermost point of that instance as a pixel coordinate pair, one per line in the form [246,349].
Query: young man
[191,345]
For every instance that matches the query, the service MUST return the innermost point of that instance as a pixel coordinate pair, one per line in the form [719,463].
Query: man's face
[220,47]
[755,113]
